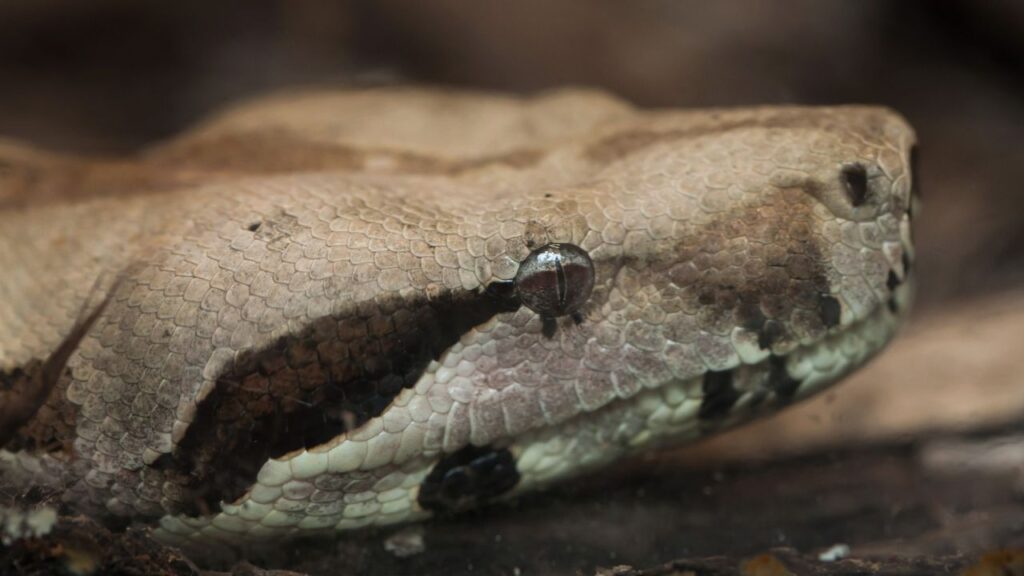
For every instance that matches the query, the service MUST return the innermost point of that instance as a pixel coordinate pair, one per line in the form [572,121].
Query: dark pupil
[545,286]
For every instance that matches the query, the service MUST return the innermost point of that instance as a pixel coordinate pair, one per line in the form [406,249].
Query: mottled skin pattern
[281,321]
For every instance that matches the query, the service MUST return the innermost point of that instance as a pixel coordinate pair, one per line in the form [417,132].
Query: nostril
[855,182]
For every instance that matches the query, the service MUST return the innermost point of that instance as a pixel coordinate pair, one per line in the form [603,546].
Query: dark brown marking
[622,144]
[549,326]
[892,281]
[779,380]
[277,151]
[830,310]
[195,162]
[36,182]
[749,314]
[260,151]
[21,398]
[719,395]
[308,388]
[9,380]
[750,317]
[770,334]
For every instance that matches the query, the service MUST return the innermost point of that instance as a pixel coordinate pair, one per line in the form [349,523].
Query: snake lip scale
[328,310]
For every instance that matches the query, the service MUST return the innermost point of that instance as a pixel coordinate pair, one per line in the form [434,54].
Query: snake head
[652,280]
[719,265]
[362,308]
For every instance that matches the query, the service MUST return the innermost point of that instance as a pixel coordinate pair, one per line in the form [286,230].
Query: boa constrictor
[323,311]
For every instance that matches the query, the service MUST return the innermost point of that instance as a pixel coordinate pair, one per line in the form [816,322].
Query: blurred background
[921,454]
[110,76]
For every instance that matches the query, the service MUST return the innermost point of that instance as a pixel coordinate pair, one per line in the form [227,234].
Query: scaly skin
[283,321]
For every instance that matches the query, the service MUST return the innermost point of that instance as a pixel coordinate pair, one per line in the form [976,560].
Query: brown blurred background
[110,76]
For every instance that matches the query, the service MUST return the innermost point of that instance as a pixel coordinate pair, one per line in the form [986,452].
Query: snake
[325,310]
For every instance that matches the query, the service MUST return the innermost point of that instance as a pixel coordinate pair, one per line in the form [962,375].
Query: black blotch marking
[577,317]
[719,395]
[238,427]
[829,310]
[770,334]
[892,281]
[548,327]
[502,295]
[748,312]
[254,226]
[619,145]
[779,380]
[894,306]
[467,478]
[855,181]
[751,318]
[548,194]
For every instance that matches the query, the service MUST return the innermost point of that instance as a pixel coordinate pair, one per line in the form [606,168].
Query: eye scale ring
[555,279]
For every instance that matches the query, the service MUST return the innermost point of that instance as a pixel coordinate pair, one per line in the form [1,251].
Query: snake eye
[555,279]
